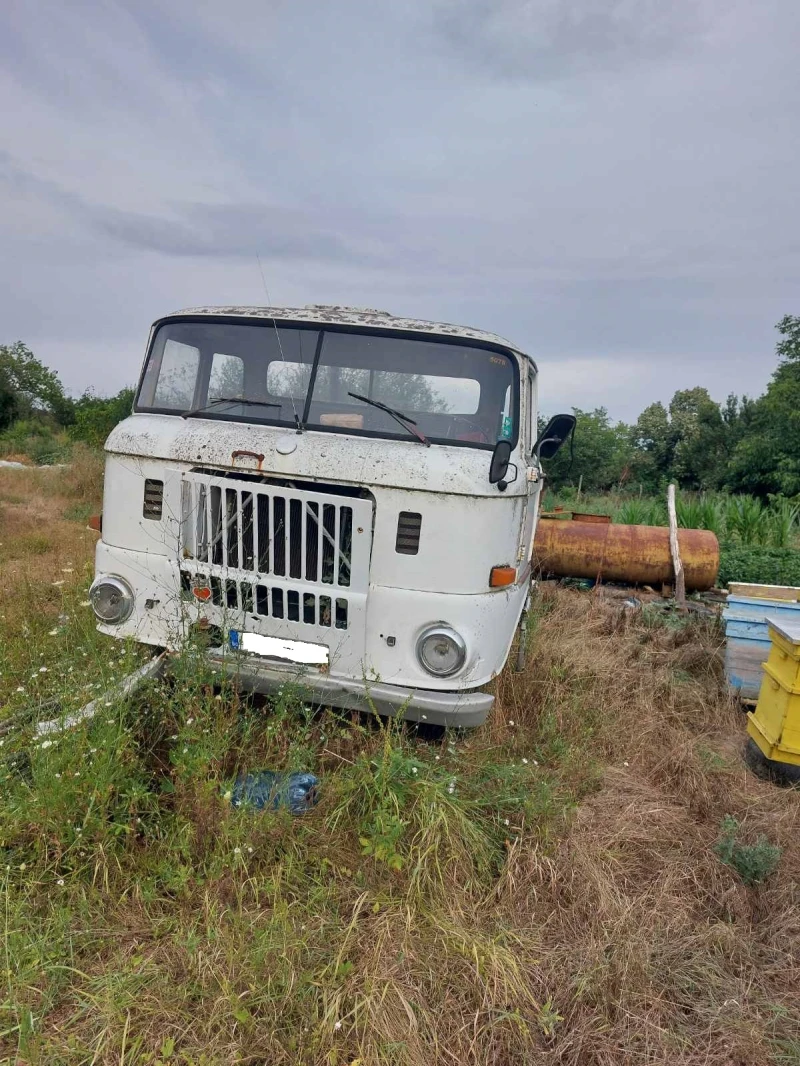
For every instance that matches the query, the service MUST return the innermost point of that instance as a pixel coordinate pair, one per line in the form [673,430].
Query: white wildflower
[86,603]
[626,764]
[60,881]
[53,633]
[511,721]
[42,669]
[250,851]
[20,688]
[237,851]
[337,1026]
[413,769]
[189,721]
[46,744]
[524,762]
[506,821]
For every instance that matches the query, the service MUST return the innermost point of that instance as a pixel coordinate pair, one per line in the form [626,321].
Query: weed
[753,862]
[542,888]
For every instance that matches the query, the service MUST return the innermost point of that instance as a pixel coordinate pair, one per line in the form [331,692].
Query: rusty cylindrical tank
[635,555]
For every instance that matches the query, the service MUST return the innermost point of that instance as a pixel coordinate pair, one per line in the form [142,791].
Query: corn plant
[700,512]
[784,522]
[747,520]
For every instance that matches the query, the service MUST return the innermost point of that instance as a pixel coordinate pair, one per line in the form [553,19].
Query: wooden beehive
[747,642]
[775,723]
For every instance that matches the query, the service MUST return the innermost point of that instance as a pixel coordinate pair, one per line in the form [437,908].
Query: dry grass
[562,905]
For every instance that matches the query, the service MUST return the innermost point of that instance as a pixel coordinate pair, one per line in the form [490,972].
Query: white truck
[334,497]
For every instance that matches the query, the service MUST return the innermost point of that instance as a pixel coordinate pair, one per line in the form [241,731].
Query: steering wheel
[474,426]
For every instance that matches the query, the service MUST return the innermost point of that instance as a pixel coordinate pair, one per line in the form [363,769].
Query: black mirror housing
[500,460]
[553,435]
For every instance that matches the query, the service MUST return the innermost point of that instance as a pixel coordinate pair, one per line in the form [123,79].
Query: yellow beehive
[775,723]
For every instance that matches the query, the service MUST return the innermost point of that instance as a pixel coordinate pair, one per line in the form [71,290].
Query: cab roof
[335,314]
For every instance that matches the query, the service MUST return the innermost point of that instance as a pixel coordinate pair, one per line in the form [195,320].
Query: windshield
[453,392]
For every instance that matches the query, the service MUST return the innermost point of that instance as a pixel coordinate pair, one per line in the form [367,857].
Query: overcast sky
[612,184]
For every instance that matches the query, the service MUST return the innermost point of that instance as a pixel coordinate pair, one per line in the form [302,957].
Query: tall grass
[543,889]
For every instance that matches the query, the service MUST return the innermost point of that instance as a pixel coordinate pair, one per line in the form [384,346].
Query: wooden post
[580,486]
[677,565]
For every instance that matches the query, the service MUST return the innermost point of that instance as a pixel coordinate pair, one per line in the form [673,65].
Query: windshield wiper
[398,416]
[227,399]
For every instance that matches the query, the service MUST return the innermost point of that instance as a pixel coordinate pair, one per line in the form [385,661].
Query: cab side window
[531,418]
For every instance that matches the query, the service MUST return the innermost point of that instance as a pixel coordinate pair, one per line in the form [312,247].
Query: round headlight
[111,599]
[441,650]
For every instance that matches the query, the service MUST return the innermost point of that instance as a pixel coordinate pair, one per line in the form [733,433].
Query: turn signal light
[502,575]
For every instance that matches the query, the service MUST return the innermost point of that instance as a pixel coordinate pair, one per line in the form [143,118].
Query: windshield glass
[454,392]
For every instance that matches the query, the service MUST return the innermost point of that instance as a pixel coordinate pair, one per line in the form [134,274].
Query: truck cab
[335,497]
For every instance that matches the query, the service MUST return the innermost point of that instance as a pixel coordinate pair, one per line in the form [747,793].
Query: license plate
[293,651]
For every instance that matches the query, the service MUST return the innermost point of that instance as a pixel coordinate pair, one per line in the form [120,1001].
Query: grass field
[581,881]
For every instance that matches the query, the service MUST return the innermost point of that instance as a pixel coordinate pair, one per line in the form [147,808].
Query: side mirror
[553,435]
[500,460]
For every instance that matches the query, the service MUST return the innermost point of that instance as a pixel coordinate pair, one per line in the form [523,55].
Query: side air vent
[409,525]
[153,498]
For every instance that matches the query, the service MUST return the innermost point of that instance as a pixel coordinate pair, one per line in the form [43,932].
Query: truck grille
[270,533]
[277,553]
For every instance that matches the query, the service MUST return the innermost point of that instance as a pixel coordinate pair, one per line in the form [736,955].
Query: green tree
[690,443]
[34,388]
[700,436]
[653,446]
[600,453]
[96,416]
[8,401]
[767,457]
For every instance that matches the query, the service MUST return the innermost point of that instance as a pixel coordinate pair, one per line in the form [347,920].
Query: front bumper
[454,709]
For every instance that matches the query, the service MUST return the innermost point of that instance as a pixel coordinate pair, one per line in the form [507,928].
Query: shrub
[763,566]
[752,862]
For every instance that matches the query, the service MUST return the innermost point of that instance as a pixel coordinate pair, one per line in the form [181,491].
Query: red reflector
[201,592]
[96,523]
[502,575]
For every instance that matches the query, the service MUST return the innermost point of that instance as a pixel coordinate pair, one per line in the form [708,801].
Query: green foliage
[8,401]
[32,386]
[642,511]
[746,520]
[767,458]
[784,521]
[598,456]
[96,416]
[766,566]
[753,862]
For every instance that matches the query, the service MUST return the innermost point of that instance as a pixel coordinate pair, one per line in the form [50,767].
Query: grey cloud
[611,185]
[553,39]
[193,230]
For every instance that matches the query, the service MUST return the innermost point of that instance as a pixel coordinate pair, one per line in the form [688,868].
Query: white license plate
[293,651]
